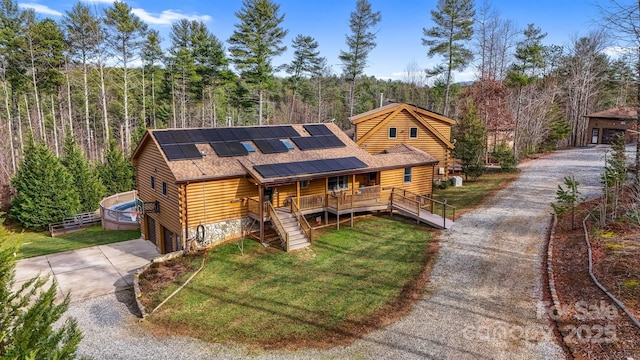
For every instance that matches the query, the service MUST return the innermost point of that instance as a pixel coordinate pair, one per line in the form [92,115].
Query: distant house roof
[620,112]
[269,154]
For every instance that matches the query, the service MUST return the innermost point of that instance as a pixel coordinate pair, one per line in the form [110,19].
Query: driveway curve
[484,300]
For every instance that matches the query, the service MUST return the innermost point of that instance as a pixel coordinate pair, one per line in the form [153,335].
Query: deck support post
[353,194]
[261,211]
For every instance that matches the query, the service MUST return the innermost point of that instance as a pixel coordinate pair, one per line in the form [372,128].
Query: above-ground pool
[119,212]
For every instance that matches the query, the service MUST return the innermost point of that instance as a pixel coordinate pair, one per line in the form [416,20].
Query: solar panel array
[309,167]
[179,144]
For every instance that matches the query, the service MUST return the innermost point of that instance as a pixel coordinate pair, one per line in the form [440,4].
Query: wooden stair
[297,238]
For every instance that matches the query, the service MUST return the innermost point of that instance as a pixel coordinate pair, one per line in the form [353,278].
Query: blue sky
[399,32]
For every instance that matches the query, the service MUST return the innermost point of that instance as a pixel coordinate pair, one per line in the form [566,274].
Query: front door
[267,194]
[151,229]
[595,135]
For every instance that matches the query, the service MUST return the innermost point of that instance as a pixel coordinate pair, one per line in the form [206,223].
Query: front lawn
[41,243]
[473,193]
[347,283]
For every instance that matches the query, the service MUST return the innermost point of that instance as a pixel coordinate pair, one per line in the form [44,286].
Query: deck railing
[253,206]
[310,202]
[304,224]
[417,203]
[346,199]
[277,223]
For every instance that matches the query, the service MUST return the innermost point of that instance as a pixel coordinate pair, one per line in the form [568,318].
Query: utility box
[457,181]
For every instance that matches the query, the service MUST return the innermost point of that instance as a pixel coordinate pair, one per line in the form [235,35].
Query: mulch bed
[590,323]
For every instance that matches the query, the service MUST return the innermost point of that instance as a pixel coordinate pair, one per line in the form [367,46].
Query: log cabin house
[214,184]
[401,123]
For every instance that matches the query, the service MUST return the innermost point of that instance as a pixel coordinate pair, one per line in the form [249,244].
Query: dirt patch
[589,322]
[159,276]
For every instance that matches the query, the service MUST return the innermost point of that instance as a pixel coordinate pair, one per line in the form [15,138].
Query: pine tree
[454,25]
[27,314]
[470,136]
[88,184]
[255,42]
[306,60]
[45,189]
[117,173]
[360,43]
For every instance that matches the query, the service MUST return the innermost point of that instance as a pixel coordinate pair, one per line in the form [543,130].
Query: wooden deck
[426,217]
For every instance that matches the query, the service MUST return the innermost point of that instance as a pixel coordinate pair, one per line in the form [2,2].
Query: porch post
[261,211]
[353,194]
[298,194]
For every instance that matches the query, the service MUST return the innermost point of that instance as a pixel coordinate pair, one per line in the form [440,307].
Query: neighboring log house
[400,123]
[217,184]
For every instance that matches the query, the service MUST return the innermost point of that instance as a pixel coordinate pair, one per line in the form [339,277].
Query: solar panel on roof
[289,131]
[267,132]
[253,133]
[172,152]
[190,151]
[308,167]
[211,135]
[163,137]
[237,149]
[317,129]
[197,136]
[221,148]
[240,134]
[270,146]
[226,134]
[180,136]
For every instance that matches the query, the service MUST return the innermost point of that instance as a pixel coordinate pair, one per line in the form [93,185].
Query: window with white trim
[408,172]
[164,188]
[338,183]
[153,182]
[413,133]
[304,184]
[393,133]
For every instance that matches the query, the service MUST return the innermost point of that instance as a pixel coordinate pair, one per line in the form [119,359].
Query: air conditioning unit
[441,171]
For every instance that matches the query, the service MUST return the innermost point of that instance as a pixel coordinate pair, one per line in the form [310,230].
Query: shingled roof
[620,112]
[207,164]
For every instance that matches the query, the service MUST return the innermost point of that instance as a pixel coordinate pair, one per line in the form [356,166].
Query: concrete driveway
[90,272]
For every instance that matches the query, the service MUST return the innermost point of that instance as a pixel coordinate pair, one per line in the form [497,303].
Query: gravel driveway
[483,301]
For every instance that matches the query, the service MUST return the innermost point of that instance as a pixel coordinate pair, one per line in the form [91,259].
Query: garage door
[610,135]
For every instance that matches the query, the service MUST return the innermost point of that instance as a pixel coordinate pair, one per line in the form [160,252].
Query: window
[372,178]
[164,188]
[153,182]
[407,175]
[413,133]
[288,144]
[304,184]
[247,145]
[338,183]
[393,133]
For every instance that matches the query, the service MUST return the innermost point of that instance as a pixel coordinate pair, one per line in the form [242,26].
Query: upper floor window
[153,182]
[408,175]
[164,188]
[393,133]
[413,133]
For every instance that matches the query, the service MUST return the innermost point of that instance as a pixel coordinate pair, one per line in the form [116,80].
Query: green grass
[41,243]
[472,193]
[267,297]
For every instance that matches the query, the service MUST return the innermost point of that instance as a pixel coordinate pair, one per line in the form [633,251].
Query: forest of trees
[100,79]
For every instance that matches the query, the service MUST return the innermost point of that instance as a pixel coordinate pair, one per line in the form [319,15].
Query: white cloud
[99,1]
[166,17]
[617,51]
[39,8]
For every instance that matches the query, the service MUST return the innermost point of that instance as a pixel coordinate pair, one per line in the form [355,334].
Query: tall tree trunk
[69,98]
[105,114]
[9,127]
[144,100]
[173,102]
[127,124]
[85,84]
[260,107]
[153,99]
[39,116]
[26,107]
[20,136]
[55,131]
